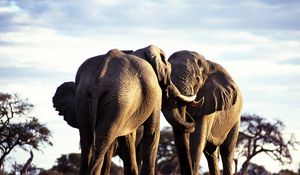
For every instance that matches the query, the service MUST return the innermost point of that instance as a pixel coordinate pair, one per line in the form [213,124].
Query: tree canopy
[68,163]
[166,149]
[258,136]
[17,128]
[167,160]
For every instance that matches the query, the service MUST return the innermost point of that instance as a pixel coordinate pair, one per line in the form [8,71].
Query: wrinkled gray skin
[216,112]
[114,94]
[120,147]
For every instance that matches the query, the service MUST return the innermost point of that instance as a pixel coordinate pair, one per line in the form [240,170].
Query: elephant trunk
[174,92]
[175,115]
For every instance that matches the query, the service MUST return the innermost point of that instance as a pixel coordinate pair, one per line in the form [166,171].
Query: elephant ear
[156,57]
[219,91]
[64,102]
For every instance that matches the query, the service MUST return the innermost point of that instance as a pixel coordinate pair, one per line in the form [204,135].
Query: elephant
[114,94]
[215,112]
[64,95]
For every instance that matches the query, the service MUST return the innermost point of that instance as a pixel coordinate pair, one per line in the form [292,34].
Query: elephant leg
[150,143]
[211,153]
[96,165]
[82,112]
[138,146]
[86,152]
[127,153]
[227,149]
[107,160]
[86,146]
[198,140]
[182,146]
[103,140]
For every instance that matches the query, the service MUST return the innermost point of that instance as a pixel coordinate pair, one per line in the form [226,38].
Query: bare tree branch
[18,129]
[257,136]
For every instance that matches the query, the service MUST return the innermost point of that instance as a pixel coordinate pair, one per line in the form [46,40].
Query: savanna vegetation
[20,130]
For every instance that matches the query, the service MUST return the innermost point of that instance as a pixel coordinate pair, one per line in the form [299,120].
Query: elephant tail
[96,94]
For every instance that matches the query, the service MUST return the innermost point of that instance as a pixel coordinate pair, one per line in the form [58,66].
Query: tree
[254,169]
[17,128]
[27,168]
[166,150]
[50,172]
[286,172]
[68,163]
[167,160]
[258,136]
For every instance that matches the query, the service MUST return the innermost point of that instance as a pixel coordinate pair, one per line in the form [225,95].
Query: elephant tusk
[176,93]
[187,98]
[198,103]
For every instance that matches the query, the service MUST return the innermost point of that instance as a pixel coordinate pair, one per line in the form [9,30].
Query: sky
[42,44]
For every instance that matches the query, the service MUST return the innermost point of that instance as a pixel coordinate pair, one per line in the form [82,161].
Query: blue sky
[42,43]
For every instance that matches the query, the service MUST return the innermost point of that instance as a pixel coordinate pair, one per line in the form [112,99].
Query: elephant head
[219,92]
[194,75]
[64,102]
[156,57]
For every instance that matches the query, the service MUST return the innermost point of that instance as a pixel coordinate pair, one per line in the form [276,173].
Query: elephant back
[64,102]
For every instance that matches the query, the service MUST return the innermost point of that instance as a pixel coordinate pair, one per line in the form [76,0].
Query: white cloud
[247,15]
[255,40]
[8,7]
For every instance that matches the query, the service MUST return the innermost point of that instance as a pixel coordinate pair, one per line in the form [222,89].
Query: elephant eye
[163,58]
[196,85]
[197,80]
[199,63]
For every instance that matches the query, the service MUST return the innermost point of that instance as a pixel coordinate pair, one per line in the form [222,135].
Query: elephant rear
[112,96]
[125,94]
[128,86]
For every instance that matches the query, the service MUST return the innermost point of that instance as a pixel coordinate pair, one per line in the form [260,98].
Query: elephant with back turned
[64,102]
[216,113]
[114,94]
